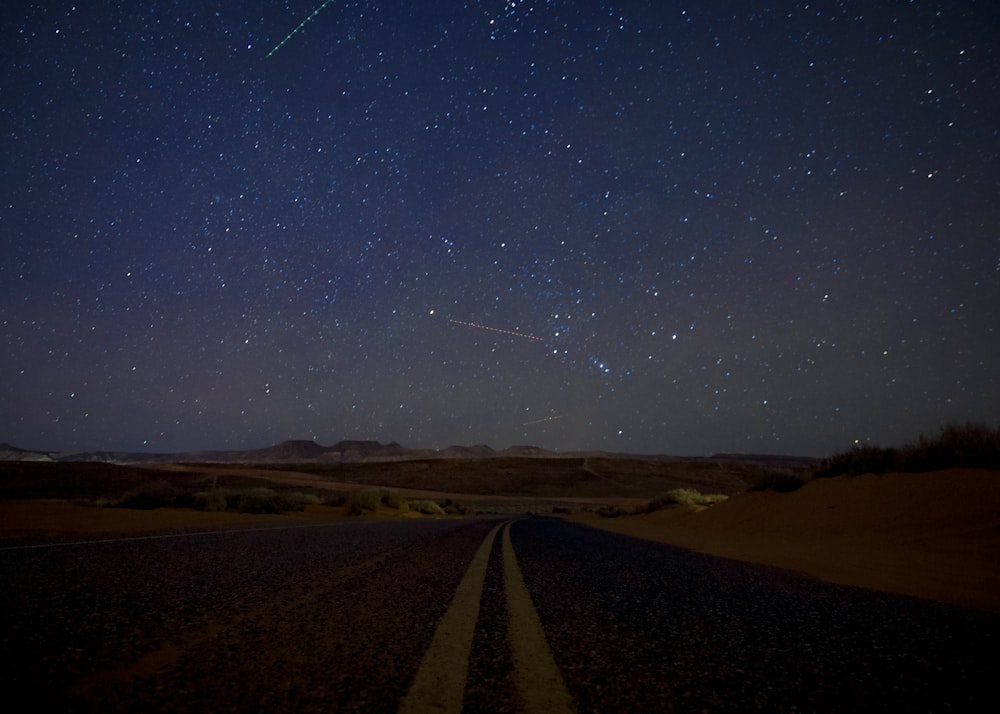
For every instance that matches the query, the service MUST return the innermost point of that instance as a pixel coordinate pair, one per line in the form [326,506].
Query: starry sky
[652,227]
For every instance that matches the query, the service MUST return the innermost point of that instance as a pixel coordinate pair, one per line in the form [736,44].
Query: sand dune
[933,535]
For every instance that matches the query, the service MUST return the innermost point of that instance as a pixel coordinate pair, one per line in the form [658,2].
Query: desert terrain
[495,584]
[934,535]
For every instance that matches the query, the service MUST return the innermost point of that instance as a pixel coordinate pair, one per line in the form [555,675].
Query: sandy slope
[933,535]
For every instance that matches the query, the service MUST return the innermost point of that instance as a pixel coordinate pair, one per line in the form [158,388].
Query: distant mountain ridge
[290,451]
[359,451]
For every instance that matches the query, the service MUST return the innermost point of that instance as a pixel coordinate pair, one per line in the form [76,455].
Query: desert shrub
[776,480]
[684,497]
[610,511]
[155,494]
[859,459]
[253,500]
[257,500]
[184,499]
[214,500]
[334,499]
[676,496]
[710,499]
[100,502]
[561,510]
[968,445]
[392,499]
[369,500]
[453,508]
[295,501]
[360,501]
[427,507]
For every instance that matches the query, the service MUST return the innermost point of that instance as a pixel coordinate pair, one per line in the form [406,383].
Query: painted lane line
[440,681]
[539,681]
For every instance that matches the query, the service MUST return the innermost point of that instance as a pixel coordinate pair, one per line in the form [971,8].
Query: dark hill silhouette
[305,451]
[290,450]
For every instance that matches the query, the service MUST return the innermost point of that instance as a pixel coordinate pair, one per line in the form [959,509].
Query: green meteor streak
[302,24]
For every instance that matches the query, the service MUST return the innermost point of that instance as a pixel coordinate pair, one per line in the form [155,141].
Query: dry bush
[860,459]
[684,497]
[266,500]
[429,508]
[334,499]
[360,501]
[392,499]
[453,508]
[154,494]
[295,500]
[777,480]
[255,500]
[611,511]
[969,445]
[213,501]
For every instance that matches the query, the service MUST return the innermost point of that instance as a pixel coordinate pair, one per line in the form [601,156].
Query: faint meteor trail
[543,419]
[298,27]
[512,333]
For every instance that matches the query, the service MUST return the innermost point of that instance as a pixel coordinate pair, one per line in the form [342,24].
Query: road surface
[478,615]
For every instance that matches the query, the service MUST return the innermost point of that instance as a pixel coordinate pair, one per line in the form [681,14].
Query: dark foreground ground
[337,618]
[655,628]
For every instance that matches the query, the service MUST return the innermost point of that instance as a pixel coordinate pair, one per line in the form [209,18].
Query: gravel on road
[338,617]
[644,627]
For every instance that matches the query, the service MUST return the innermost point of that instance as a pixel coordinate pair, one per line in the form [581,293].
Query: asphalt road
[480,615]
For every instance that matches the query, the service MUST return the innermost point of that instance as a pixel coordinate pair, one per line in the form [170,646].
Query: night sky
[652,227]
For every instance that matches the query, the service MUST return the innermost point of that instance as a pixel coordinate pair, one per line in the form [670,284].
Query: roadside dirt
[932,535]
[54,518]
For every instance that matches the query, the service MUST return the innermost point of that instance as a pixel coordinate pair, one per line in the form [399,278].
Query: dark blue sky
[641,226]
